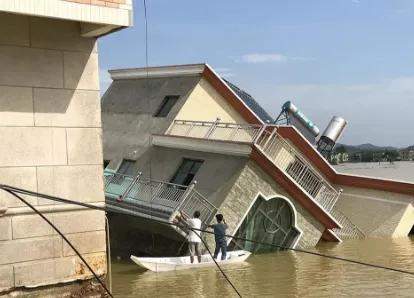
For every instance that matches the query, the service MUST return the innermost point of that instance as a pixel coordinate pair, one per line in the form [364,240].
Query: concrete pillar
[50,128]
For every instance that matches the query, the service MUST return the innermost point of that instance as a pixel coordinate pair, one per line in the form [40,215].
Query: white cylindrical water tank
[335,129]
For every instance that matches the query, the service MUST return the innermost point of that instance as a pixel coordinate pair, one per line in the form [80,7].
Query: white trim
[202,145]
[335,235]
[268,198]
[73,11]
[157,72]
[391,201]
[49,209]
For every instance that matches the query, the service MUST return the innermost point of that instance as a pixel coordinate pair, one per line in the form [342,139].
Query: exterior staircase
[277,149]
[349,230]
[282,154]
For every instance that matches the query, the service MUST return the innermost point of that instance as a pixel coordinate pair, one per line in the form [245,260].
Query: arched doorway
[268,221]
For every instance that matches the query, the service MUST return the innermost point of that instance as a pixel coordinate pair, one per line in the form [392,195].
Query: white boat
[180,263]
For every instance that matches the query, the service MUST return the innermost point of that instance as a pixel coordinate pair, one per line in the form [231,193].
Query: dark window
[127,167]
[186,172]
[167,103]
[106,163]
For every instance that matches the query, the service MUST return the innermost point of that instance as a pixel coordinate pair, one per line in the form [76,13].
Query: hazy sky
[352,58]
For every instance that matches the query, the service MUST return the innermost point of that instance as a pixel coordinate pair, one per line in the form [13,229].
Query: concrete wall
[378,213]
[399,170]
[253,181]
[50,127]
[127,114]
[129,105]
[232,184]
[206,104]
[214,178]
[97,15]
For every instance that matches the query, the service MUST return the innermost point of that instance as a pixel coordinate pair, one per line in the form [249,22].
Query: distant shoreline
[398,170]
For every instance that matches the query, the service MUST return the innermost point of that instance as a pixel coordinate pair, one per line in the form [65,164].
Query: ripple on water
[286,274]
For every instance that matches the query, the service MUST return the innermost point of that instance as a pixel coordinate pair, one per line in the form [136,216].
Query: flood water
[286,274]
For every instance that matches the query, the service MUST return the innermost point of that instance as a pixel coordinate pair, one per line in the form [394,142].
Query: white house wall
[377,213]
[206,104]
[50,127]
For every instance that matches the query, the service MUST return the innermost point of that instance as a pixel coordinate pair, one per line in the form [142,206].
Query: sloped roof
[251,103]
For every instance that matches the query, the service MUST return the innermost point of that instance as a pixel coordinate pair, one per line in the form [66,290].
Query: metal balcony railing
[215,130]
[279,151]
[348,230]
[290,161]
[157,196]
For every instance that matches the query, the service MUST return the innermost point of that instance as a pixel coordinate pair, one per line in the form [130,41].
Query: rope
[109,260]
[53,198]
[11,190]
[144,2]
[218,266]
[185,224]
[63,236]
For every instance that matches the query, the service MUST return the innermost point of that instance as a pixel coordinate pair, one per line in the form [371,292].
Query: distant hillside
[365,147]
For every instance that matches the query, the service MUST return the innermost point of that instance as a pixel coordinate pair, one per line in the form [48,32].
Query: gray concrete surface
[399,170]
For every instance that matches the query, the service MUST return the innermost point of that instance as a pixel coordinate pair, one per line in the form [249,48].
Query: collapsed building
[180,138]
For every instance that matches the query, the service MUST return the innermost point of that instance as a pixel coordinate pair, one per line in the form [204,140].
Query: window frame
[160,113]
[181,165]
[106,163]
[133,162]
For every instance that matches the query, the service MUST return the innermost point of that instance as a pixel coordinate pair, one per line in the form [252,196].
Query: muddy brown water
[285,274]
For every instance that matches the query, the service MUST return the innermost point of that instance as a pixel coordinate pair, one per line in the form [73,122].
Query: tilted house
[180,124]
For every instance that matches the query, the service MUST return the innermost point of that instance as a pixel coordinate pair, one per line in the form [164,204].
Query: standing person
[193,236]
[220,236]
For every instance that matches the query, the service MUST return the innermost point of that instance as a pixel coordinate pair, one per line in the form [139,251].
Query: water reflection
[286,274]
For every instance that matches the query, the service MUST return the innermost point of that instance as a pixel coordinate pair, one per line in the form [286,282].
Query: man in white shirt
[193,237]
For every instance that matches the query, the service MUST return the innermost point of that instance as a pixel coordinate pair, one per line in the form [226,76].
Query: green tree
[341,149]
[391,155]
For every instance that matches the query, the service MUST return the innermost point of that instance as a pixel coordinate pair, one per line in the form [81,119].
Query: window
[106,163]
[167,103]
[186,172]
[127,167]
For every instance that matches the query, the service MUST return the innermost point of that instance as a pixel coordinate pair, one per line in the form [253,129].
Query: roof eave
[157,72]
[235,101]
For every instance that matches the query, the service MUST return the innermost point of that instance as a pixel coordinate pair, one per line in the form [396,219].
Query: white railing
[215,130]
[273,146]
[151,194]
[348,230]
[291,162]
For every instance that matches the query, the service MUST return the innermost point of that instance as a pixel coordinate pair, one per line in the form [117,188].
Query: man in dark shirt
[220,236]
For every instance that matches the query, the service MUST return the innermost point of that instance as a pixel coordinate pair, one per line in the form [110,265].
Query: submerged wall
[253,182]
[377,213]
[50,128]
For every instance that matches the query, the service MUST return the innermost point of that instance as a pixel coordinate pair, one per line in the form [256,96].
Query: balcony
[279,151]
[154,199]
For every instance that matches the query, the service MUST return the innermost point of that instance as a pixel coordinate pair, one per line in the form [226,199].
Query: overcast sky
[352,58]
